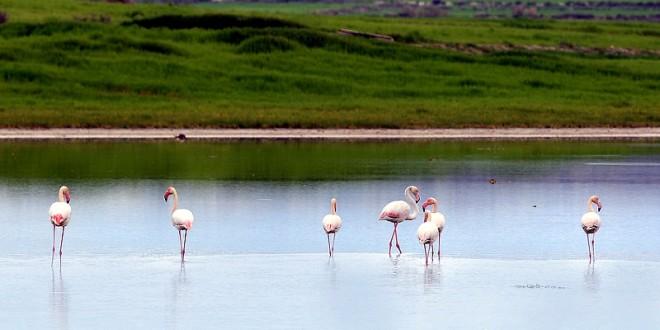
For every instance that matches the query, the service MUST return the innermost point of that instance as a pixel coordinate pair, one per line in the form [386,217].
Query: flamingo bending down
[60,214]
[427,233]
[398,211]
[590,224]
[182,219]
[437,218]
[331,225]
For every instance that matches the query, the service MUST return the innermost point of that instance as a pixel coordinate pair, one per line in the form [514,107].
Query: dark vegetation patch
[650,33]
[43,29]
[526,24]
[413,37]
[212,22]
[265,44]
[470,83]
[23,75]
[3,17]
[534,83]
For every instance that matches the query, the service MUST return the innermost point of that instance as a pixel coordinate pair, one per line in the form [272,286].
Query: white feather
[62,209]
[590,219]
[331,223]
[182,219]
[427,233]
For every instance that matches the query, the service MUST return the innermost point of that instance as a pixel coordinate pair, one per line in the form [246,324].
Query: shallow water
[513,251]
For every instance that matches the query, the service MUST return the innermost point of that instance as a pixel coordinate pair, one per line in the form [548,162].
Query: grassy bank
[91,64]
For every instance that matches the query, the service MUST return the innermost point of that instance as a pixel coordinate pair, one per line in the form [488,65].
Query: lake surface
[514,255]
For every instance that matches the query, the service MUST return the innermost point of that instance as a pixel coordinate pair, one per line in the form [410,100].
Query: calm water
[514,254]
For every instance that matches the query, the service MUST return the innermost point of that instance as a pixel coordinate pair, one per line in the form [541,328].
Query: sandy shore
[335,134]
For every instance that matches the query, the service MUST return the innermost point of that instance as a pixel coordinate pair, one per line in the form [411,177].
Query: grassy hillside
[75,63]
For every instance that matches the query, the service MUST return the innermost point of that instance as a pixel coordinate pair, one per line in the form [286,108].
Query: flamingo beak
[68,197]
[167,194]
[600,206]
[417,198]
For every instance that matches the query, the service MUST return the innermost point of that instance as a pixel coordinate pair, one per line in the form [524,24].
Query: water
[514,255]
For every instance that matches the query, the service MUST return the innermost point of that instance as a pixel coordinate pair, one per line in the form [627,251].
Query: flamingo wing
[59,213]
[590,221]
[438,219]
[331,223]
[427,233]
[182,219]
[396,211]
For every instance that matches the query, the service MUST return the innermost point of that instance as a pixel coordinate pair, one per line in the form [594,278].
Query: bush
[212,22]
[265,44]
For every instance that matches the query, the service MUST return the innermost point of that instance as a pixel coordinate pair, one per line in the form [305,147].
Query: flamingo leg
[439,247]
[61,243]
[329,250]
[180,245]
[426,253]
[391,239]
[396,237]
[53,256]
[432,253]
[593,246]
[333,243]
[589,247]
[185,238]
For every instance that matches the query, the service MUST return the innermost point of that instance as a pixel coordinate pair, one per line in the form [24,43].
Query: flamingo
[60,214]
[398,211]
[437,218]
[590,224]
[427,233]
[331,225]
[182,219]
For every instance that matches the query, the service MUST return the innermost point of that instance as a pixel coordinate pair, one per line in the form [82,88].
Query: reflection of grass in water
[277,160]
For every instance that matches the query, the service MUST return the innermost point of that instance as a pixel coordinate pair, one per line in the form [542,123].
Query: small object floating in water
[492,181]
[181,137]
[533,205]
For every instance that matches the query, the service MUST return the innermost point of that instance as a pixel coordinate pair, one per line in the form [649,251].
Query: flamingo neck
[410,199]
[60,195]
[434,209]
[176,201]
[590,206]
[333,207]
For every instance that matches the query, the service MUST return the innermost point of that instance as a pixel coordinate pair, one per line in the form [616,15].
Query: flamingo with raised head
[399,211]
[427,233]
[182,219]
[437,218]
[60,214]
[331,225]
[591,223]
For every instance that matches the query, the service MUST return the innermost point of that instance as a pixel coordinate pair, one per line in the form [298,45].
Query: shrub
[212,22]
[265,44]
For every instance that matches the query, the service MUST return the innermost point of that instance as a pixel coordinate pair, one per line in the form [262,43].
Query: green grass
[58,68]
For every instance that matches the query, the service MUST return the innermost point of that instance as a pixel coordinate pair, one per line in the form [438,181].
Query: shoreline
[645,133]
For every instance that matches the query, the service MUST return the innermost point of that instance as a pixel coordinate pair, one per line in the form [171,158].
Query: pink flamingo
[182,219]
[331,225]
[437,218]
[398,211]
[590,224]
[60,214]
[427,233]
